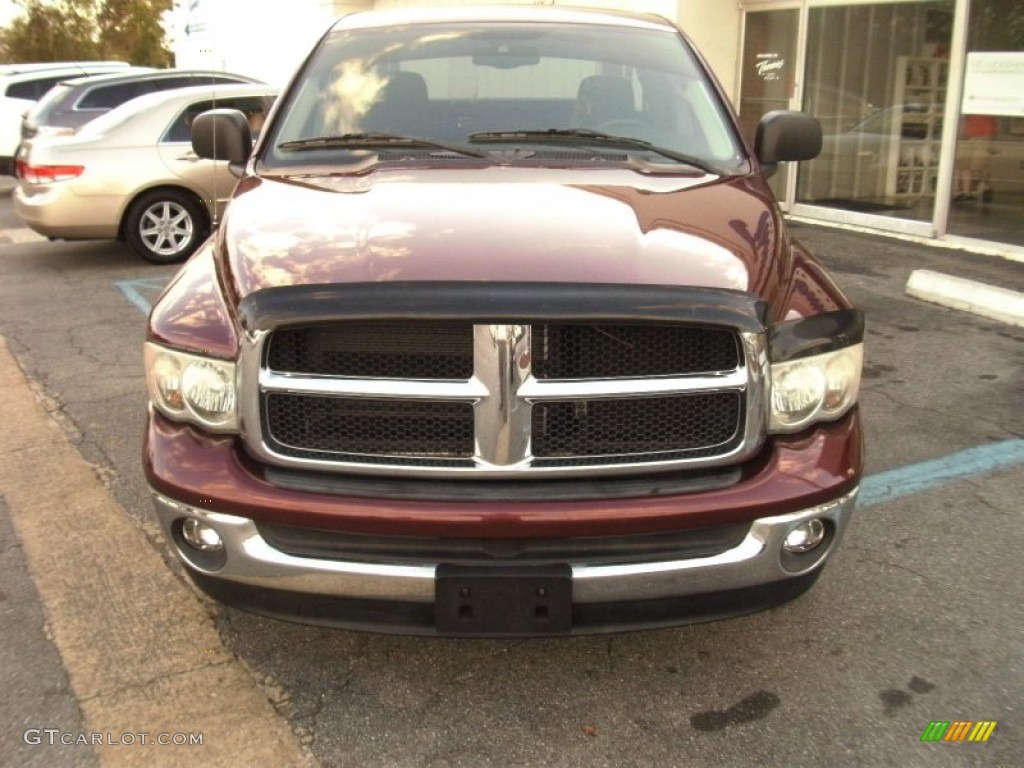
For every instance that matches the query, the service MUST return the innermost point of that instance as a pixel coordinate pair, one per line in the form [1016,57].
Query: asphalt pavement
[917,619]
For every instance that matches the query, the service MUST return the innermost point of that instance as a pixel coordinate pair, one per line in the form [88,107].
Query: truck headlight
[817,388]
[187,387]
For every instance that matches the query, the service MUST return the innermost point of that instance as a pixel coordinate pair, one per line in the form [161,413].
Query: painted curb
[989,301]
[142,654]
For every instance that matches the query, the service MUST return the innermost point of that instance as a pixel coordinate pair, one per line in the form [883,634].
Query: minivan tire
[165,226]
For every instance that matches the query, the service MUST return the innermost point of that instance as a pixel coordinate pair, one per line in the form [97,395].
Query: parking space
[142,291]
[917,619]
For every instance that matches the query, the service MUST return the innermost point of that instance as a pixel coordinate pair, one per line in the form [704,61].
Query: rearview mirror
[505,56]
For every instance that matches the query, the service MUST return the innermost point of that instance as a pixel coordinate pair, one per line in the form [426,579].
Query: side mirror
[222,134]
[784,135]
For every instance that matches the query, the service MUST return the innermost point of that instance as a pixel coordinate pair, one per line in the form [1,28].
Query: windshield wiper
[369,140]
[588,136]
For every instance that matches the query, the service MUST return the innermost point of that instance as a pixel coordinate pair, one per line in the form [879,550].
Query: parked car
[502,333]
[892,159]
[132,174]
[22,85]
[72,103]
[859,166]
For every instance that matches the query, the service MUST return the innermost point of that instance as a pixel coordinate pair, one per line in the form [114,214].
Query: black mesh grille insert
[298,424]
[376,350]
[634,426]
[618,351]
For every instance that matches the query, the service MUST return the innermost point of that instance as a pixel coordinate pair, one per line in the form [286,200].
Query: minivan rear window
[31,89]
[110,96]
[43,108]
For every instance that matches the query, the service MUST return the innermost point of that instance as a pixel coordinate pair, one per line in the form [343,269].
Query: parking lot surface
[917,619]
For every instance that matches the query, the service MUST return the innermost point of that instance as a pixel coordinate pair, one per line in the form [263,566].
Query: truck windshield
[483,87]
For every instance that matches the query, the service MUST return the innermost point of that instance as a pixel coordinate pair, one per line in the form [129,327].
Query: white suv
[21,86]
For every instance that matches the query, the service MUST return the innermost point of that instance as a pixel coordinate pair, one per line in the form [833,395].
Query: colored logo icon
[958,730]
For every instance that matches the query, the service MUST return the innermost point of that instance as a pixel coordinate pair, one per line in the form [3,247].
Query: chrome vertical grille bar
[758,387]
[501,355]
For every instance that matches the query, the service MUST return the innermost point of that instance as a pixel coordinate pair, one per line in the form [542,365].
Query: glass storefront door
[921,103]
[876,79]
[769,74]
[988,180]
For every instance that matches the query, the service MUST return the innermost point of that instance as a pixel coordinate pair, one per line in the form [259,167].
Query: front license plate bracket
[503,601]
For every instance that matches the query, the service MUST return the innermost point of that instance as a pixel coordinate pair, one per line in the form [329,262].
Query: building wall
[714,27]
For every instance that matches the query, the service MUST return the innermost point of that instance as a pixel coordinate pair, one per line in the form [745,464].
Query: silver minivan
[22,85]
[72,103]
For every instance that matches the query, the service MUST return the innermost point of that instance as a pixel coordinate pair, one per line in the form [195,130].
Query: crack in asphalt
[945,414]
[884,562]
[92,451]
[357,658]
[978,488]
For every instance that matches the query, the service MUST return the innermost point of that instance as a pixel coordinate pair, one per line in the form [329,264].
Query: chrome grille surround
[502,392]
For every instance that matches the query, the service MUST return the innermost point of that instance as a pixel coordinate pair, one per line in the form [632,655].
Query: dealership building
[921,101]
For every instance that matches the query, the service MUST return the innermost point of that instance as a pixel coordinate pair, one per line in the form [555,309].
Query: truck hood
[503,224]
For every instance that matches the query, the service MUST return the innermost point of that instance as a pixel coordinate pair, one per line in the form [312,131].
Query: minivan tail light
[47,174]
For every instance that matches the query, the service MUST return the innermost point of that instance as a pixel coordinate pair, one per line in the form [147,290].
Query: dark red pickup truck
[502,334]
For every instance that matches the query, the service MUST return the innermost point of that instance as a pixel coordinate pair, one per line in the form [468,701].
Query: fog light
[805,536]
[201,536]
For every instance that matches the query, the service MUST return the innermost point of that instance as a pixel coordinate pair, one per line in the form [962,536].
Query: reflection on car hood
[503,224]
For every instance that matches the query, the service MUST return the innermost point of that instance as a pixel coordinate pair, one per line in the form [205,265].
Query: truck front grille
[644,426]
[445,350]
[376,350]
[505,400]
[304,425]
[618,351]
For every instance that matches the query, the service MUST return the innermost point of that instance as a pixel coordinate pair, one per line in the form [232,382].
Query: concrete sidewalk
[143,659]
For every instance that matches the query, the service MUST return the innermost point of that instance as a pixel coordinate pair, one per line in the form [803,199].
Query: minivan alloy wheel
[165,226]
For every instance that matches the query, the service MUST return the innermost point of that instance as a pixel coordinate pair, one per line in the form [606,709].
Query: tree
[130,30]
[59,31]
[89,30]
[996,25]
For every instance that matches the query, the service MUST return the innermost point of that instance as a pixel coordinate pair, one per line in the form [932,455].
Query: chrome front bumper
[248,559]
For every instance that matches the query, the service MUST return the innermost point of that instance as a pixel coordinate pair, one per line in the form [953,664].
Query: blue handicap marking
[916,478]
[142,292]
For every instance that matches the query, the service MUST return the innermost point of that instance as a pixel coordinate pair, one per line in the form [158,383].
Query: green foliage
[89,30]
[52,32]
[996,25]
[130,30]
